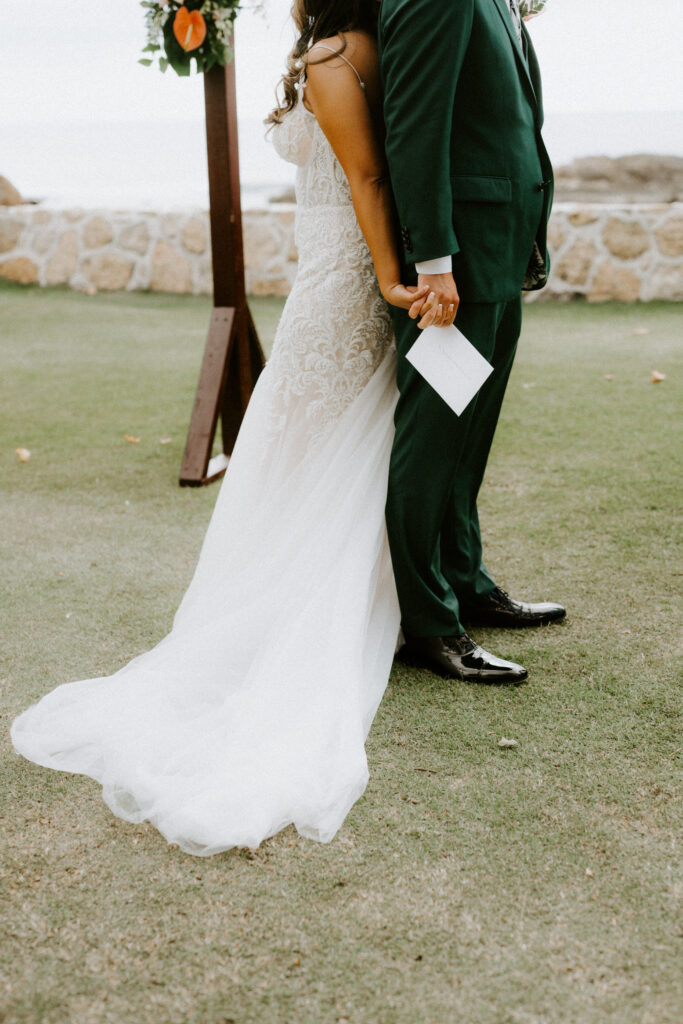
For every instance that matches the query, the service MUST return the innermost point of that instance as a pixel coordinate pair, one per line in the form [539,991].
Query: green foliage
[216,48]
[530,8]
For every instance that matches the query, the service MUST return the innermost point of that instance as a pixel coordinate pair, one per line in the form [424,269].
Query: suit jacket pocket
[481,188]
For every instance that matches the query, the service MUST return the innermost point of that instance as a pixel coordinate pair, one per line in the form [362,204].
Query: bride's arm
[343,112]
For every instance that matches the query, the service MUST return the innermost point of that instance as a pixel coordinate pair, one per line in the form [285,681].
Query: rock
[107,271]
[64,260]
[575,265]
[204,279]
[553,292]
[9,196]
[170,272]
[135,237]
[170,223]
[10,229]
[556,233]
[643,168]
[640,177]
[43,240]
[591,168]
[614,283]
[261,242]
[79,283]
[665,282]
[20,269]
[263,285]
[580,218]
[97,232]
[625,239]
[288,196]
[670,236]
[194,235]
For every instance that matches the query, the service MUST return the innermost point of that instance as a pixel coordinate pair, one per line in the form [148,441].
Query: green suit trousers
[437,466]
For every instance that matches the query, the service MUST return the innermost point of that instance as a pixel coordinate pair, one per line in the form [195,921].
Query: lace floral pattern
[335,328]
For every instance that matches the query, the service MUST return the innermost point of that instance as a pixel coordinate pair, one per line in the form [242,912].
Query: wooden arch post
[233,357]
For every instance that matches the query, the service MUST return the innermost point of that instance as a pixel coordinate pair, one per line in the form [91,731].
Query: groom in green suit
[473,188]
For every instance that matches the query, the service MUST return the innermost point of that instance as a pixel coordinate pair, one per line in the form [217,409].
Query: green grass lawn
[471,885]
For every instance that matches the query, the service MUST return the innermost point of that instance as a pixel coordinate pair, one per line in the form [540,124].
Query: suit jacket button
[405,238]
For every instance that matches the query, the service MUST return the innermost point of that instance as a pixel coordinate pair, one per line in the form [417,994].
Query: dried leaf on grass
[657,377]
[165,440]
[507,744]
[133,440]
[23,453]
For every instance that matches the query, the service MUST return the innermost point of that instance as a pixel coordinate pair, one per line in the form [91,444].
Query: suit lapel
[506,15]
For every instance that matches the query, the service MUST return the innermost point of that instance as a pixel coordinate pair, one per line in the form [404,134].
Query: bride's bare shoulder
[360,48]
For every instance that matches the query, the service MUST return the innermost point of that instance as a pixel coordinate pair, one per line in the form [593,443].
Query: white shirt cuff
[440,265]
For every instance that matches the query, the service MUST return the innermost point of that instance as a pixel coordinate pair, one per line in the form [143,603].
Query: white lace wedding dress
[252,713]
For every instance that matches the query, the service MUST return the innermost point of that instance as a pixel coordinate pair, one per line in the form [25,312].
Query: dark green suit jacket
[463,111]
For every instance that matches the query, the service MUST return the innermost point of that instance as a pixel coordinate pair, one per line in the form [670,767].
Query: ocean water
[163,164]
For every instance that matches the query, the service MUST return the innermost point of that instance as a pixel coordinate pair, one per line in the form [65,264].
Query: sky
[81,121]
[66,60]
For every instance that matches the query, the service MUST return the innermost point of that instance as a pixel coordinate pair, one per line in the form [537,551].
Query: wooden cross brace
[233,357]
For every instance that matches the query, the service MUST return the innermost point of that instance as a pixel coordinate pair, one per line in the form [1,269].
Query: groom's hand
[441,305]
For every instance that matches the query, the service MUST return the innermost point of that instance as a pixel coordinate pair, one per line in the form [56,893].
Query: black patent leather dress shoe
[459,657]
[499,609]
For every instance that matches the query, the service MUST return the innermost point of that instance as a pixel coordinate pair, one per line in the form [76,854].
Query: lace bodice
[293,137]
[320,179]
[335,328]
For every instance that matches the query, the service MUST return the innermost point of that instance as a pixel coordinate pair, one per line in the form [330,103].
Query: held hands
[435,299]
[405,296]
[441,304]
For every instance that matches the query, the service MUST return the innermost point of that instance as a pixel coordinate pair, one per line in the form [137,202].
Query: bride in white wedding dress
[253,712]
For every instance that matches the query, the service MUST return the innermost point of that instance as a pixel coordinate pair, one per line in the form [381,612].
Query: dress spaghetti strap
[324,46]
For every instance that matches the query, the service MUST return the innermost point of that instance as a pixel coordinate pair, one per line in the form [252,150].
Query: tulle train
[253,712]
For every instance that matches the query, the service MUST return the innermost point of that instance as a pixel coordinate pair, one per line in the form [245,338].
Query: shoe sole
[507,624]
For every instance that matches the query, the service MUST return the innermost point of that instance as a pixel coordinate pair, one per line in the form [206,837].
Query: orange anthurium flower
[189,28]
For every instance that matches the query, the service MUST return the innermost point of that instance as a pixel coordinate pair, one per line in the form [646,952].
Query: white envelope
[451,364]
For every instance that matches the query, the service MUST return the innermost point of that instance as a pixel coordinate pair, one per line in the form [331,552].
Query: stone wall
[110,250]
[600,251]
[606,251]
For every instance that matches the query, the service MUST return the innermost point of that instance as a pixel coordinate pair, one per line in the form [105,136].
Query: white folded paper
[451,364]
